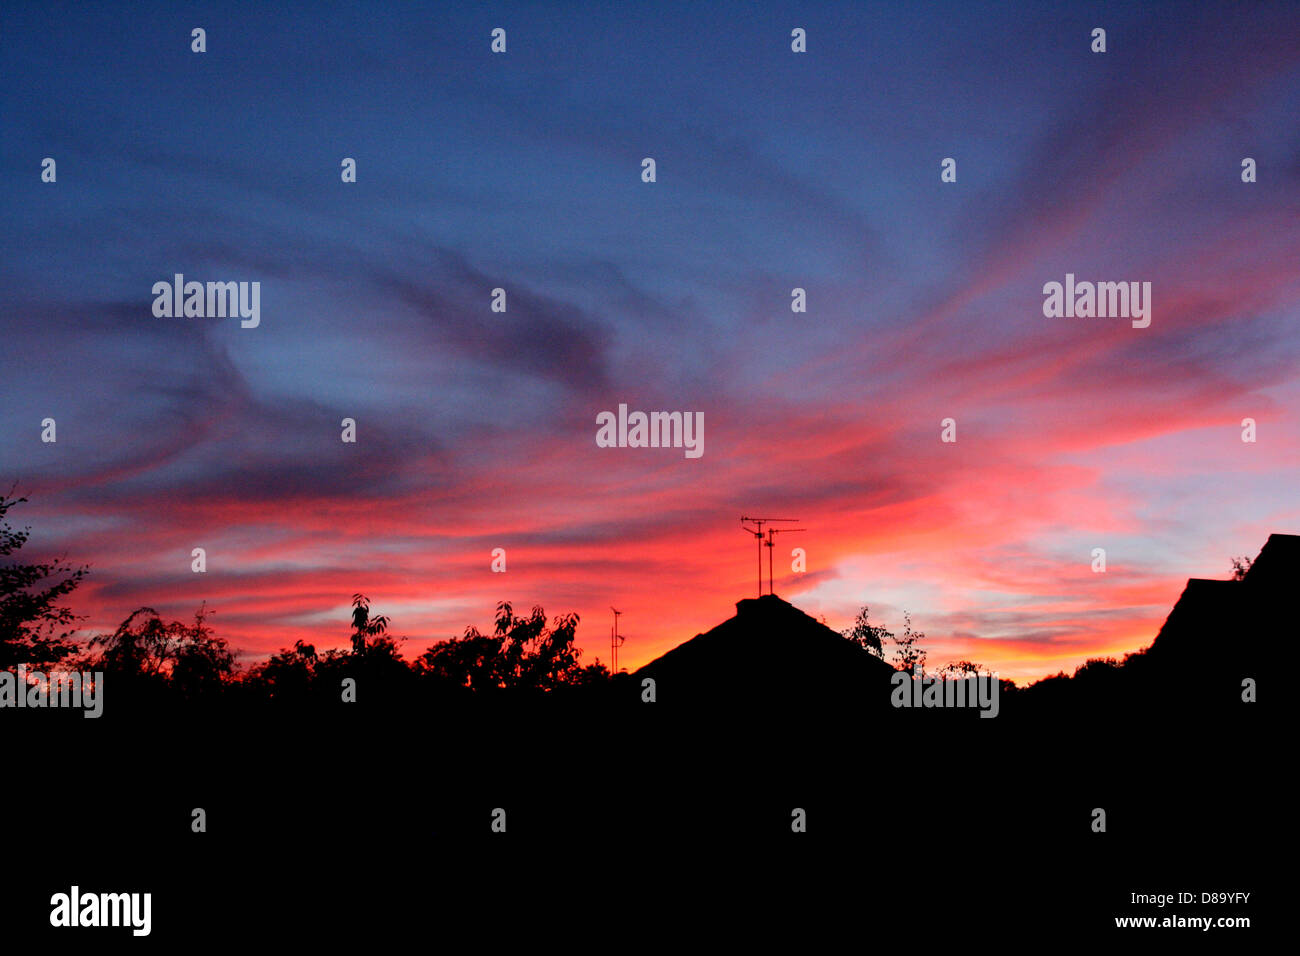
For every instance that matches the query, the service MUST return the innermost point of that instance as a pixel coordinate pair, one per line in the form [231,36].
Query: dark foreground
[630,824]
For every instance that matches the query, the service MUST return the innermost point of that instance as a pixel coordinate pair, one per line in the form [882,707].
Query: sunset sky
[775,170]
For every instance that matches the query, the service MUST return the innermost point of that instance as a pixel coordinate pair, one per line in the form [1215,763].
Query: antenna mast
[757,532]
[771,543]
[615,642]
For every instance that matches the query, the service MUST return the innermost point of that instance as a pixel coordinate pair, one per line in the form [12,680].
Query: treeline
[149,657]
[1138,681]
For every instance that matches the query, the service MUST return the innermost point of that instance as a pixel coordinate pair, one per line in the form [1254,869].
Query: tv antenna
[771,543]
[757,532]
[615,642]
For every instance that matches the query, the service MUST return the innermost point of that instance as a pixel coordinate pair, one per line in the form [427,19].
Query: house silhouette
[1218,629]
[772,657]
[769,656]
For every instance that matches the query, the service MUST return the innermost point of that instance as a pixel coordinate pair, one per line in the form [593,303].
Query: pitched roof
[1226,620]
[769,652]
[1278,562]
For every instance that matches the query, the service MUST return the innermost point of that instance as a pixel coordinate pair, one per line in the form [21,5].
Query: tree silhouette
[521,653]
[136,654]
[202,662]
[472,662]
[147,650]
[908,653]
[34,629]
[287,675]
[961,668]
[363,626]
[868,635]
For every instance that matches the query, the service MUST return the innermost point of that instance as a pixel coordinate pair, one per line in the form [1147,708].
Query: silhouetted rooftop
[769,649]
[1228,619]
[1278,561]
